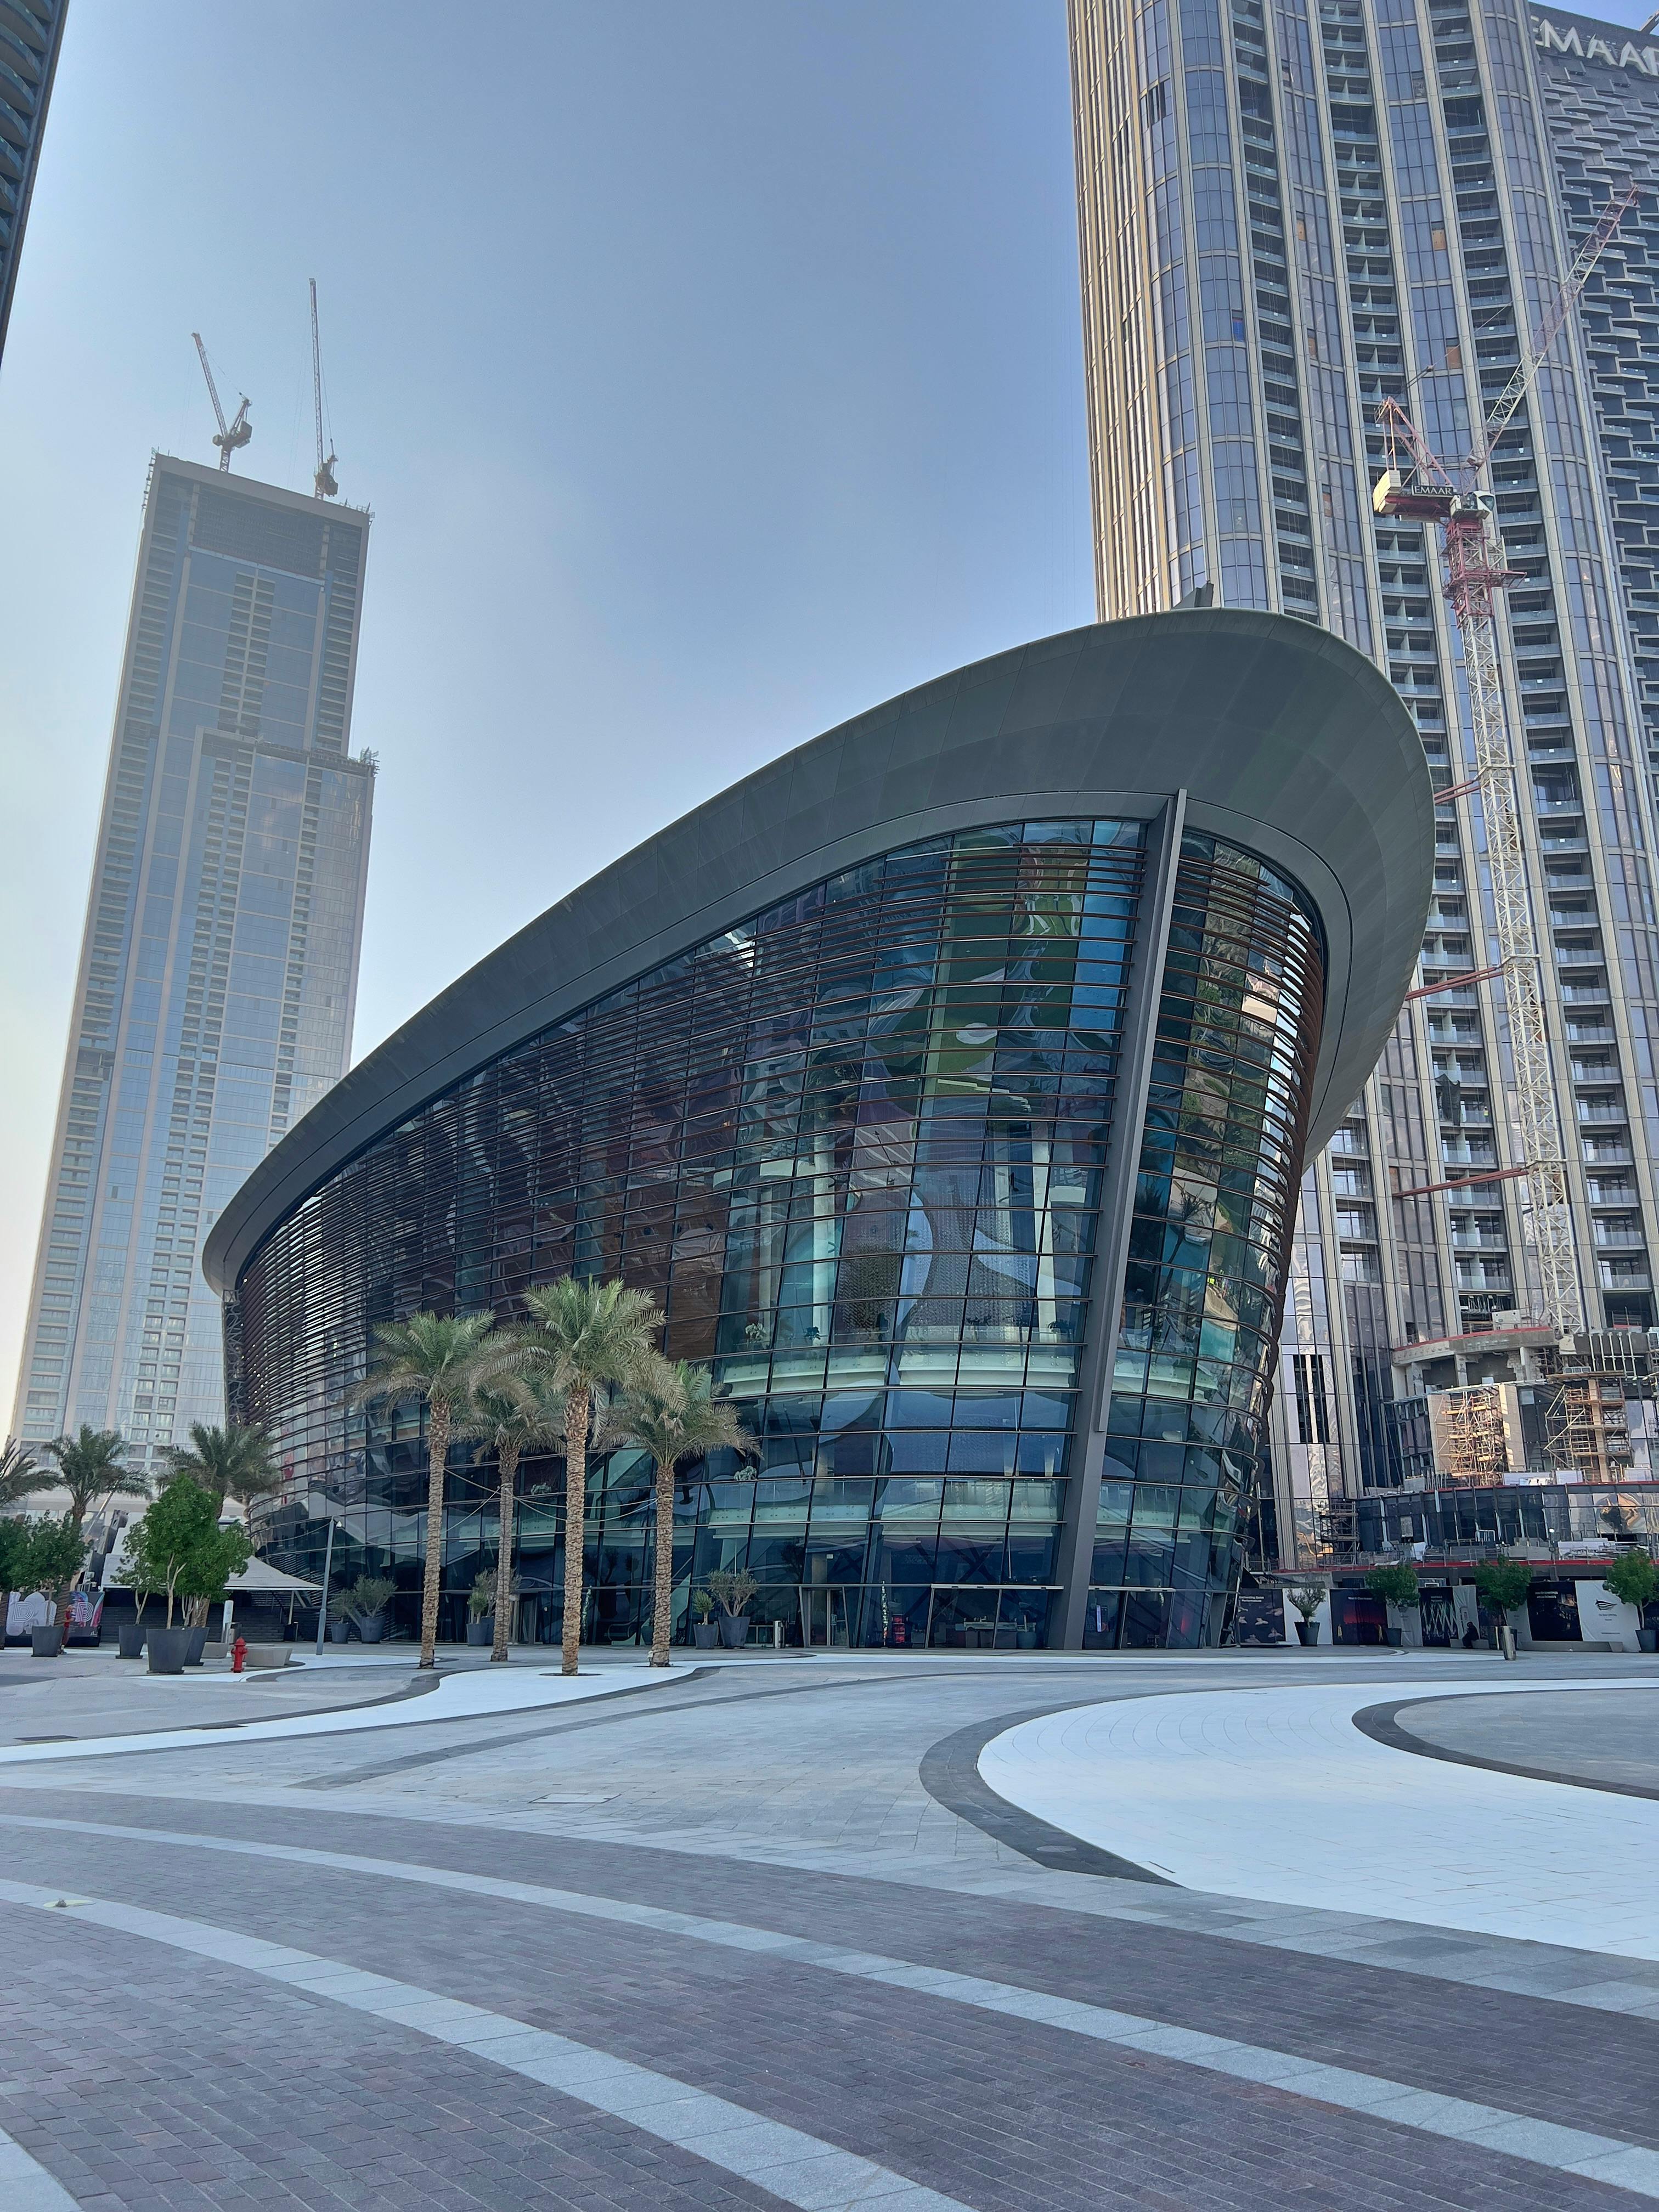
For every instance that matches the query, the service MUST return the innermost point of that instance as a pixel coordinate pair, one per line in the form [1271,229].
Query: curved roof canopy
[1284,739]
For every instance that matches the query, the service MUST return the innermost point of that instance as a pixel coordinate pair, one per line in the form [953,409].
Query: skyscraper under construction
[1291,212]
[218,972]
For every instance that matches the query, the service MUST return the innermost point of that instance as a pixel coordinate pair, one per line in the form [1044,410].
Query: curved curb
[1379,1723]
[950,1774]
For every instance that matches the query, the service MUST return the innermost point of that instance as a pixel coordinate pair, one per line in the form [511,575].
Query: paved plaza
[1229,1930]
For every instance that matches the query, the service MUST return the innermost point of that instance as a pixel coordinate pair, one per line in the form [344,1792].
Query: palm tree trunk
[504,1599]
[437,1457]
[663,1619]
[576,1414]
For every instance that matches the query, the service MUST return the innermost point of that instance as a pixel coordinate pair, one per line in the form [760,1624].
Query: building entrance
[823,1621]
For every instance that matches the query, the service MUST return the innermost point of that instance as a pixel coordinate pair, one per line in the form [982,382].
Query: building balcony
[1606,1151]
[1614,1275]
[1593,1114]
[1580,956]
[1619,1239]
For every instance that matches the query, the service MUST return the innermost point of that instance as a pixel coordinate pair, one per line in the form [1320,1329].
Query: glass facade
[219,968]
[860,1148]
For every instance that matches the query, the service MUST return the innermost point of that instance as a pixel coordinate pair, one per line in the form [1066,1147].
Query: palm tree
[585,1339]
[19,1472]
[671,1411]
[233,1462]
[512,1417]
[439,1359]
[90,1466]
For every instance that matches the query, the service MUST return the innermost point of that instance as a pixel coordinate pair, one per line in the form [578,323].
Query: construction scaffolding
[1470,1435]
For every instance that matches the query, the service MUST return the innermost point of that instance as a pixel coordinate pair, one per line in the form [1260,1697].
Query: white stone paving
[474,1693]
[1273,1794]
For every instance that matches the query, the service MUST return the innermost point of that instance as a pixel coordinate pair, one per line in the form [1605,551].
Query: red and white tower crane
[1417,483]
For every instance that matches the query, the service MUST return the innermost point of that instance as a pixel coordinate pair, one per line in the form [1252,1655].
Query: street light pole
[322,1603]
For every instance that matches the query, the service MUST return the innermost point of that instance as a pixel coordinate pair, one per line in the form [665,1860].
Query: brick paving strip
[25,2185]
[787,2163]
[1606,2159]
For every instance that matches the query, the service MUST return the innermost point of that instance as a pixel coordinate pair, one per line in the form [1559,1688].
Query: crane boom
[1476,569]
[324,482]
[1534,353]
[235,433]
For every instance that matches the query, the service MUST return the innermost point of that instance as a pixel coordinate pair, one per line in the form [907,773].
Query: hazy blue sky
[712,367]
[712,371]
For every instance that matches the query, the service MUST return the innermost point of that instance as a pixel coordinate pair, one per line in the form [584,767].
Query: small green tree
[13,1563]
[1632,1578]
[731,1588]
[53,1553]
[1504,1584]
[1397,1584]
[1307,1597]
[180,1548]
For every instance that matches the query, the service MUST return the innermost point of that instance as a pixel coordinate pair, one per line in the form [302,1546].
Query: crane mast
[1417,483]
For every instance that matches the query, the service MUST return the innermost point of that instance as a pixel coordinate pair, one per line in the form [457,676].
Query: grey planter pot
[371,1628]
[1306,1632]
[338,1631]
[705,1635]
[734,1631]
[196,1647]
[1647,1638]
[481,1632]
[48,1640]
[130,1638]
[166,1648]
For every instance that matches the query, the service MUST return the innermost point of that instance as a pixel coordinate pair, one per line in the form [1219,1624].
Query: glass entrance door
[823,1617]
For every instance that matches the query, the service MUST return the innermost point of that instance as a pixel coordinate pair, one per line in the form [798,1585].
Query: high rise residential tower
[31,33]
[218,972]
[1289,210]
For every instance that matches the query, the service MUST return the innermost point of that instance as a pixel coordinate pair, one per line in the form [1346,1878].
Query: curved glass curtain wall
[855,1147]
[1238,1028]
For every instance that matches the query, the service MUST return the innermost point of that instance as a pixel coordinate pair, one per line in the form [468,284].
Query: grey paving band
[1380,1724]
[1609,2159]
[554,1724]
[25,2185]
[950,1774]
[798,2168]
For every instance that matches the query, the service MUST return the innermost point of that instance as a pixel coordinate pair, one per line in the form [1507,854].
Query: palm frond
[432,1357]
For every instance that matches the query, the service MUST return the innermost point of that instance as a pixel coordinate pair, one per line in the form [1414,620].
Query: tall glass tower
[1289,210]
[31,36]
[218,972]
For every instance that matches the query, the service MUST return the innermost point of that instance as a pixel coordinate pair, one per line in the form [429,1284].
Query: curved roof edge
[1285,739]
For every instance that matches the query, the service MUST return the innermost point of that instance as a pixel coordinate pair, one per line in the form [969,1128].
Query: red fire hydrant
[237,1654]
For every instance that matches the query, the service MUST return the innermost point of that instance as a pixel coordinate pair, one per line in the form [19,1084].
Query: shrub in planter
[1503,1584]
[731,1589]
[362,1607]
[1398,1587]
[704,1632]
[179,1547]
[48,1559]
[130,1638]
[1632,1578]
[1307,1598]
